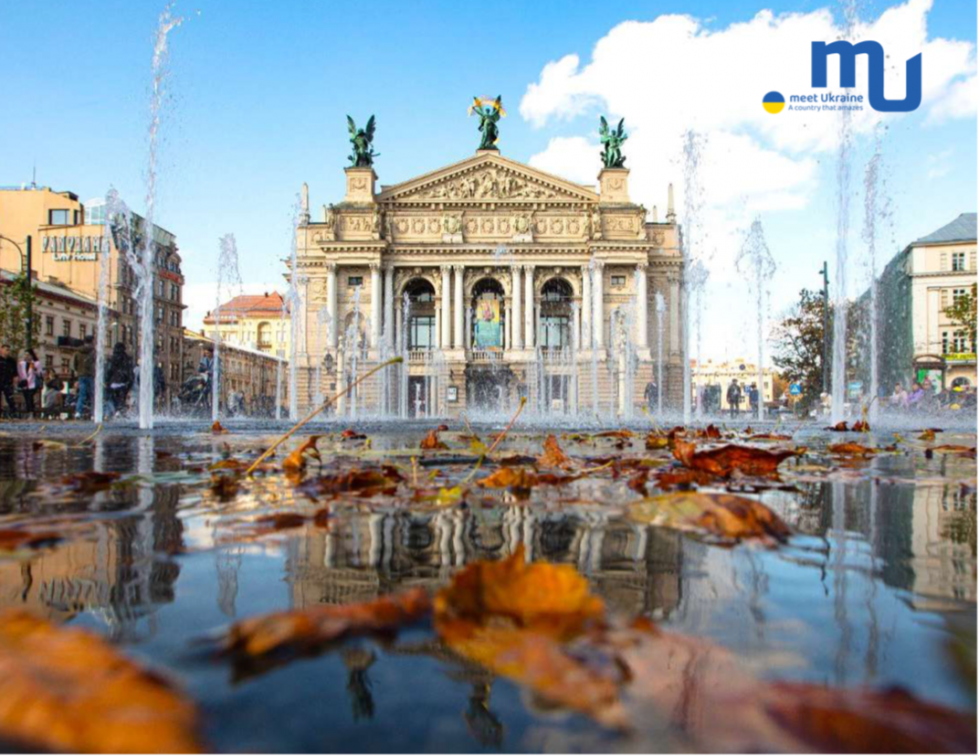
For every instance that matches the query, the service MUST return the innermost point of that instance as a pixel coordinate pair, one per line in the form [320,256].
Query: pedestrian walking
[119,377]
[29,373]
[85,369]
[8,372]
[734,397]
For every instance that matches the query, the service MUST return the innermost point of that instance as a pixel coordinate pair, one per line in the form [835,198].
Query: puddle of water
[879,578]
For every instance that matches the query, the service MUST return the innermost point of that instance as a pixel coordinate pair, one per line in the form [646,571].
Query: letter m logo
[848,73]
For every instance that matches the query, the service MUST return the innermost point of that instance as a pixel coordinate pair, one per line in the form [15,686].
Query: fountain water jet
[756,264]
[875,207]
[229,274]
[691,248]
[660,332]
[144,272]
[102,324]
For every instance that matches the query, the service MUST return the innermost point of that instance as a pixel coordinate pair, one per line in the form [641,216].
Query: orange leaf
[731,517]
[296,461]
[217,427]
[358,482]
[66,689]
[680,477]
[851,449]
[710,432]
[840,427]
[351,435]
[615,434]
[927,435]
[654,441]
[553,455]
[509,477]
[726,459]
[861,426]
[550,598]
[769,437]
[431,441]
[307,629]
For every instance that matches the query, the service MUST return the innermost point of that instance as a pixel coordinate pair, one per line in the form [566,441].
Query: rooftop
[962,229]
[250,306]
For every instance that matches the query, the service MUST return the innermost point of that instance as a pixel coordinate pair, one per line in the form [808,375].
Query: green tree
[16,300]
[798,340]
[963,314]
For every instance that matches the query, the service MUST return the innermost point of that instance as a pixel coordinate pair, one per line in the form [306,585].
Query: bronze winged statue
[362,140]
[488,118]
[612,156]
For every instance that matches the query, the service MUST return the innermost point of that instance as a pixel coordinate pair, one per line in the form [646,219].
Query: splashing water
[875,207]
[229,277]
[692,249]
[756,264]
[102,324]
[660,332]
[144,271]
[295,310]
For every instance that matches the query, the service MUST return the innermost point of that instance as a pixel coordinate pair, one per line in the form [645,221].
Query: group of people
[75,394]
[922,397]
[736,394]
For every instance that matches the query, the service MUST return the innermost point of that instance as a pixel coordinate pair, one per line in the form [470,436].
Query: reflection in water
[858,596]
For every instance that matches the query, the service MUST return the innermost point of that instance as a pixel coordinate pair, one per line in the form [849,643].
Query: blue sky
[260,91]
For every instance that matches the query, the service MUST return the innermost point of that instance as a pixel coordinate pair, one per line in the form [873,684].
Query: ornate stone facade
[494,280]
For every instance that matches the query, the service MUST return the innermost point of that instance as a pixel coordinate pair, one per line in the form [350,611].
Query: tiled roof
[250,306]
[962,229]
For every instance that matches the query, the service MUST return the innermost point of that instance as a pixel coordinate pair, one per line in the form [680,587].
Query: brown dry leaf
[861,426]
[682,477]
[553,455]
[730,517]
[513,618]
[851,449]
[840,427]
[228,464]
[615,434]
[509,477]
[431,441]
[308,629]
[14,539]
[655,441]
[927,435]
[351,435]
[726,459]
[296,461]
[217,428]
[365,483]
[953,449]
[769,437]
[67,690]
[91,481]
[867,721]
[710,432]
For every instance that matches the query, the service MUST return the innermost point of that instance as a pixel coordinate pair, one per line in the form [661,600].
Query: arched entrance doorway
[488,315]
[421,337]
[487,377]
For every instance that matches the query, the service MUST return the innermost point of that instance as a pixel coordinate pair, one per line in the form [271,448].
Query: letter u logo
[875,86]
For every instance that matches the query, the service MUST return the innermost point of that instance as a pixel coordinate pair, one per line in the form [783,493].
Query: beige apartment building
[918,339]
[257,375]
[257,321]
[711,380]
[68,241]
[493,280]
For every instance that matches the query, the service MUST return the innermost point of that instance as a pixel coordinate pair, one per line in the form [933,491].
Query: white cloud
[672,74]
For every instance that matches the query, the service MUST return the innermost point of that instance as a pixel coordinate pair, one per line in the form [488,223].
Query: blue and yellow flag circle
[773,102]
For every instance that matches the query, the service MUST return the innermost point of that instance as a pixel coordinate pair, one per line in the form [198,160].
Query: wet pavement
[876,586]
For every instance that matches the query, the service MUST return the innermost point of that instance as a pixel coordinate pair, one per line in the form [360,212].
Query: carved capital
[643,266]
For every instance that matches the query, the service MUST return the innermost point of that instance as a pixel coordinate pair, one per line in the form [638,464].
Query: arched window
[421,314]
[555,314]
[487,314]
[264,336]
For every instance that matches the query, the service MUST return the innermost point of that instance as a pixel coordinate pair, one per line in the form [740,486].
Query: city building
[916,338]
[61,312]
[493,280]
[258,321]
[711,380]
[258,376]
[68,241]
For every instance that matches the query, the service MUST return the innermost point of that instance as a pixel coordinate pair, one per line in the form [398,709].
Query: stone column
[673,279]
[516,332]
[507,325]
[446,307]
[642,307]
[598,313]
[389,329]
[458,341]
[529,307]
[398,329]
[587,307]
[331,304]
[375,305]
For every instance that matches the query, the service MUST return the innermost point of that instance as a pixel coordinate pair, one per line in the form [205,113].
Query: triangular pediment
[487,177]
